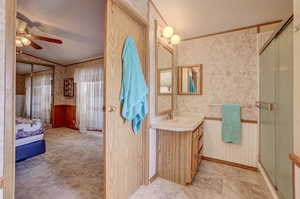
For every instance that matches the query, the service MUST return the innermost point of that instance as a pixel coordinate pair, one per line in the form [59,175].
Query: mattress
[27,140]
[28,128]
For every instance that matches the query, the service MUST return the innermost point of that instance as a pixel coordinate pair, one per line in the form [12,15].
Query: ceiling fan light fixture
[19,43]
[25,41]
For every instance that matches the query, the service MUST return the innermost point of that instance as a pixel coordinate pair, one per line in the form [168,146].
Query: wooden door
[124,151]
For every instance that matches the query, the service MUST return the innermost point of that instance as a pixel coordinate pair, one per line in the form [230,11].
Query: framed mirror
[165,81]
[190,80]
[164,78]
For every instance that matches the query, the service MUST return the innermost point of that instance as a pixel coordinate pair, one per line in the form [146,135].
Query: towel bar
[244,106]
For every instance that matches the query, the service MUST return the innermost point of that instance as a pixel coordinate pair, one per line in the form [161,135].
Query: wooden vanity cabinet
[179,154]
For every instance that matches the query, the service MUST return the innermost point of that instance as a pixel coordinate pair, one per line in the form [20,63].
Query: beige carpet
[71,168]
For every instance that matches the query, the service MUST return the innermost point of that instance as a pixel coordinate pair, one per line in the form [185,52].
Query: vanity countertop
[178,123]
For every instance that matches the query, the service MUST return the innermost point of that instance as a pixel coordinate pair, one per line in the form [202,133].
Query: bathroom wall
[229,72]
[230,75]
[244,153]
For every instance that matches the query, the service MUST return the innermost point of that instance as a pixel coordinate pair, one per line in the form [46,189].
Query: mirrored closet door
[34,87]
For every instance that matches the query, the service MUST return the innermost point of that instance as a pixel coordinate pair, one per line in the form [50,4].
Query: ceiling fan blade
[35,45]
[48,39]
[29,22]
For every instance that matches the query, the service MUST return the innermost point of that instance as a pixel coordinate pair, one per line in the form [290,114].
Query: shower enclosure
[276,110]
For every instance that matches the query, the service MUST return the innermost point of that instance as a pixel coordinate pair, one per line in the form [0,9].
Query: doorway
[128,183]
[59,131]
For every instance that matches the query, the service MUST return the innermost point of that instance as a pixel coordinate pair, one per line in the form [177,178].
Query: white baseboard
[269,184]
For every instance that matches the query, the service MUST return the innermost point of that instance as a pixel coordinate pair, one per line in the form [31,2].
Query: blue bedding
[30,150]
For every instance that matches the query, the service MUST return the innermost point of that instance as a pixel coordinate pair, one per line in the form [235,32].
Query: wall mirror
[164,78]
[190,80]
[34,91]
[165,81]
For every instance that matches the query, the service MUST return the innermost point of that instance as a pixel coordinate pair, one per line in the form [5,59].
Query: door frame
[8,179]
[133,13]
[9,99]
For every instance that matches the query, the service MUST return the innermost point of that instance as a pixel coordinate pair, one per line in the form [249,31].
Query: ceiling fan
[24,38]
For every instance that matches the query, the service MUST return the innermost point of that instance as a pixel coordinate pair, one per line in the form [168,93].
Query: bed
[29,138]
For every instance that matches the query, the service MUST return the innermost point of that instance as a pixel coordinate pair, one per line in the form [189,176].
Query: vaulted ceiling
[79,23]
[197,17]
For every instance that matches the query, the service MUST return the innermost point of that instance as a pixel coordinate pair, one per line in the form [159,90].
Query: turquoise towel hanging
[192,87]
[133,95]
[231,130]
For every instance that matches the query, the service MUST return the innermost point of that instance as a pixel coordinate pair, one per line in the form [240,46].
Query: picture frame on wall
[69,87]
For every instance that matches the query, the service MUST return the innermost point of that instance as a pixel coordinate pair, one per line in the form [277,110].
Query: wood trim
[35,63]
[55,63]
[234,164]
[153,178]
[146,138]
[233,30]
[294,180]
[84,61]
[220,119]
[157,76]
[165,46]
[43,59]
[8,86]
[158,12]
[295,159]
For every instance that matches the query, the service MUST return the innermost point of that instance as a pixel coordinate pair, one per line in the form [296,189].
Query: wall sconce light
[175,39]
[168,33]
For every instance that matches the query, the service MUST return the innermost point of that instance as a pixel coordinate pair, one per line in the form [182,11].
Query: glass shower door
[267,115]
[284,113]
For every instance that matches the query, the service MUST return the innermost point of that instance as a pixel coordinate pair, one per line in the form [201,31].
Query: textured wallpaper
[230,63]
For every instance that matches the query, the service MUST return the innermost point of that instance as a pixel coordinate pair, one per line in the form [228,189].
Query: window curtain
[41,97]
[89,97]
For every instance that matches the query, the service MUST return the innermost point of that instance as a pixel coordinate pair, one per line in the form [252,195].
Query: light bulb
[168,32]
[19,43]
[25,41]
[175,39]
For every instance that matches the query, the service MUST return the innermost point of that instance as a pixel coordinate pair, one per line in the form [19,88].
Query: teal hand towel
[133,95]
[192,87]
[231,130]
